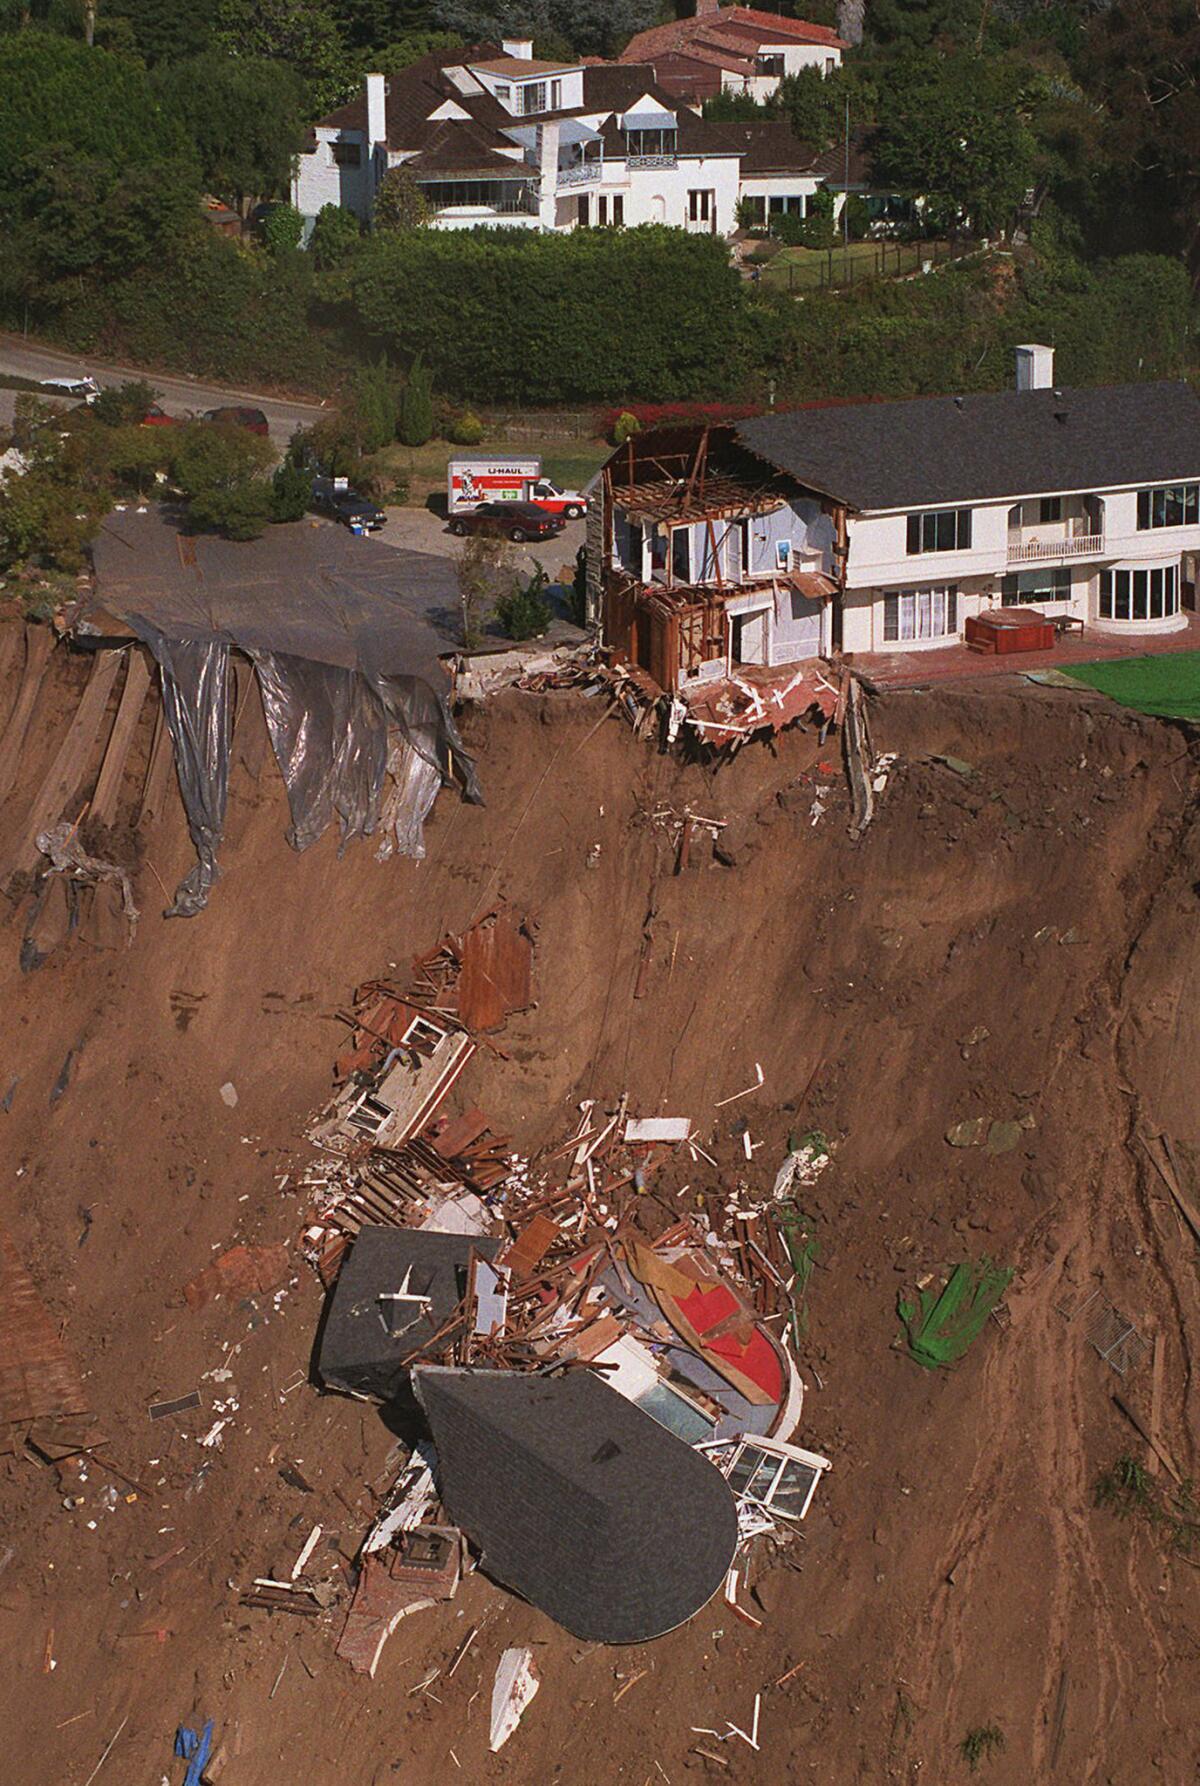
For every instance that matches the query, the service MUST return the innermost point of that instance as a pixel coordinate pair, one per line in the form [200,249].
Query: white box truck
[472,481]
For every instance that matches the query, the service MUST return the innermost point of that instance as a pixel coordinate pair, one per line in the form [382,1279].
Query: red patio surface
[954,663]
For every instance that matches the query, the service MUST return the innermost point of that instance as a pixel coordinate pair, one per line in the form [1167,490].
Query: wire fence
[836,268]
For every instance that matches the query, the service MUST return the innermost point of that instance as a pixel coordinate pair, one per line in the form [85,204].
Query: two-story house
[884,527]
[493,136]
[732,49]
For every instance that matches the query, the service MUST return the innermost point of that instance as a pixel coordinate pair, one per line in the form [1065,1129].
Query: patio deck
[955,663]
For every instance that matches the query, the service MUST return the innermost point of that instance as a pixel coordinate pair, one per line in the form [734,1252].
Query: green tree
[301,33]
[955,131]
[160,30]
[291,492]
[399,53]
[335,236]
[399,202]
[735,108]
[246,116]
[374,405]
[416,406]
[53,90]
[219,470]
[524,612]
[118,404]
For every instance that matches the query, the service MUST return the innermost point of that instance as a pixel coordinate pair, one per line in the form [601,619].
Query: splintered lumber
[854,743]
[71,760]
[1140,1426]
[112,769]
[38,643]
[158,770]
[1160,1153]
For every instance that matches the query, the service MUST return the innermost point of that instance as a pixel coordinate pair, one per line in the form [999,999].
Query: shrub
[219,469]
[981,1744]
[335,236]
[625,425]
[523,611]
[128,402]
[371,413]
[291,492]
[282,227]
[484,572]
[399,203]
[466,429]
[416,406]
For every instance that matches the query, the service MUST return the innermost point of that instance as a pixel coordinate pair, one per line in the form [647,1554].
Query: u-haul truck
[472,481]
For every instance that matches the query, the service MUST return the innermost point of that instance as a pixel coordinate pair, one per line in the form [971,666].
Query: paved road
[177,394]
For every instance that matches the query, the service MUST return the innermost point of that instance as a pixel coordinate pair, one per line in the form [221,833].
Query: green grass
[1130,1491]
[1168,686]
[805,269]
[981,1744]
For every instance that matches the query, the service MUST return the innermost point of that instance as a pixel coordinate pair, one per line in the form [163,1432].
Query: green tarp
[942,1323]
[1168,686]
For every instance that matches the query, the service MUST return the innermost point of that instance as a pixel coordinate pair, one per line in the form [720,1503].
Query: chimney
[706,8]
[519,48]
[376,110]
[1035,368]
[547,154]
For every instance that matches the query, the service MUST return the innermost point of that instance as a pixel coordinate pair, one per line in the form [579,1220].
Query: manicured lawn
[569,463]
[805,269]
[1168,686]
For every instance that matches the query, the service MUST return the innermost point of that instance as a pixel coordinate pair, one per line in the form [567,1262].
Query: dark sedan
[351,509]
[238,415]
[508,520]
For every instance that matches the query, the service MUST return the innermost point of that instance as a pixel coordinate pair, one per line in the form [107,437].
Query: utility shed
[578,1501]
[397,1290]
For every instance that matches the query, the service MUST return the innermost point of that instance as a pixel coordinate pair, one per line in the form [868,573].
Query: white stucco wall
[319,181]
[795,57]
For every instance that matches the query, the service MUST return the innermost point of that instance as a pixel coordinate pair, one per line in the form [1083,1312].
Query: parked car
[83,387]
[156,417]
[552,501]
[508,520]
[238,415]
[348,507]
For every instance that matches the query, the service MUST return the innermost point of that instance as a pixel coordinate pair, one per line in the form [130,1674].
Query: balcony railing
[1079,545]
[580,174]
[668,160]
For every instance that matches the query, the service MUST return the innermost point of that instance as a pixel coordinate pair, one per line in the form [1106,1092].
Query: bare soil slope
[1019,942]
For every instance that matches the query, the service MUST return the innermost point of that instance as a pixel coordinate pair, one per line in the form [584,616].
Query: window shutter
[964,528]
[891,608]
[952,607]
[914,540]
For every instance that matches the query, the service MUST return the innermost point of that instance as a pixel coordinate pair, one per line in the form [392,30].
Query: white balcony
[1060,551]
[580,174]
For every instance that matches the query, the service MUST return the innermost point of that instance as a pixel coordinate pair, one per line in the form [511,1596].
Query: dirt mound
[1011,939]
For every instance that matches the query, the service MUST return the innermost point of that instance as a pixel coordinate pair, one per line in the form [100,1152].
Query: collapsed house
[347,668]
[610,1413]
[712,573]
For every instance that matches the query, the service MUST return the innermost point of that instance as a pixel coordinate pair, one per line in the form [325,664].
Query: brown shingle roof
[681,33]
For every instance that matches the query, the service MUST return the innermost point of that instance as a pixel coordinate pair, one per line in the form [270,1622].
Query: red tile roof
[769,27]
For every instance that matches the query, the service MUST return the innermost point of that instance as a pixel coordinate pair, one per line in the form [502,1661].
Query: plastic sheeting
[336,733]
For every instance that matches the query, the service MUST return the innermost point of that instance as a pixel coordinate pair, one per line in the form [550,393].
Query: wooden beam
[39,641]
[112,770]
[158,770]
[1156,1402]
[70,764]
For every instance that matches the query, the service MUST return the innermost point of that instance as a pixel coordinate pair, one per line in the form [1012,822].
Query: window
[779,1477]
[533,97]
[700,206]
[792,204]
[618,210]
[602,210]
[1139,595]
[939,530]
[1053,584]
[681,557]
[1170,505]
[1049,509]
[769,64]
[555,96]
[503,93]
[920,614]
[651,145]
[754,210]
[347,154]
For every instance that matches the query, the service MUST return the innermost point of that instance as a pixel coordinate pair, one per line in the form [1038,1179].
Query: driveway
[420,530]
[178,395]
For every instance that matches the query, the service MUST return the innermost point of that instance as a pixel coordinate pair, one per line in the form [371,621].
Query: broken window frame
[769,1449]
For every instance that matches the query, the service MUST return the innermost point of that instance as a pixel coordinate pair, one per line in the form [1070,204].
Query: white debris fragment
[514,1687]
[213,1435]
[229,1093]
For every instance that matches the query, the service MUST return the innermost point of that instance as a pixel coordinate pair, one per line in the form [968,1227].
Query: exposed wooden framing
[158,771]
[697,468]
[71,760]
[112,769]
[39,641]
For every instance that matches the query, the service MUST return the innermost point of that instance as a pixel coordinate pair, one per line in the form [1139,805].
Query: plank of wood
[158,770]
[1141,1426]
[1156,1402]
[1159,1155]
[39,641]
[70,762]
[112,769]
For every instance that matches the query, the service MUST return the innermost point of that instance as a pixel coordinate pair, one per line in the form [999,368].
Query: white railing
[671,160]
[580,173]
[1080,545]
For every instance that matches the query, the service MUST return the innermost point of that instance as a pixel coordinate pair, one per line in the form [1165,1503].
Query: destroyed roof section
[693,473]
[37,1377]
[578,1500]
